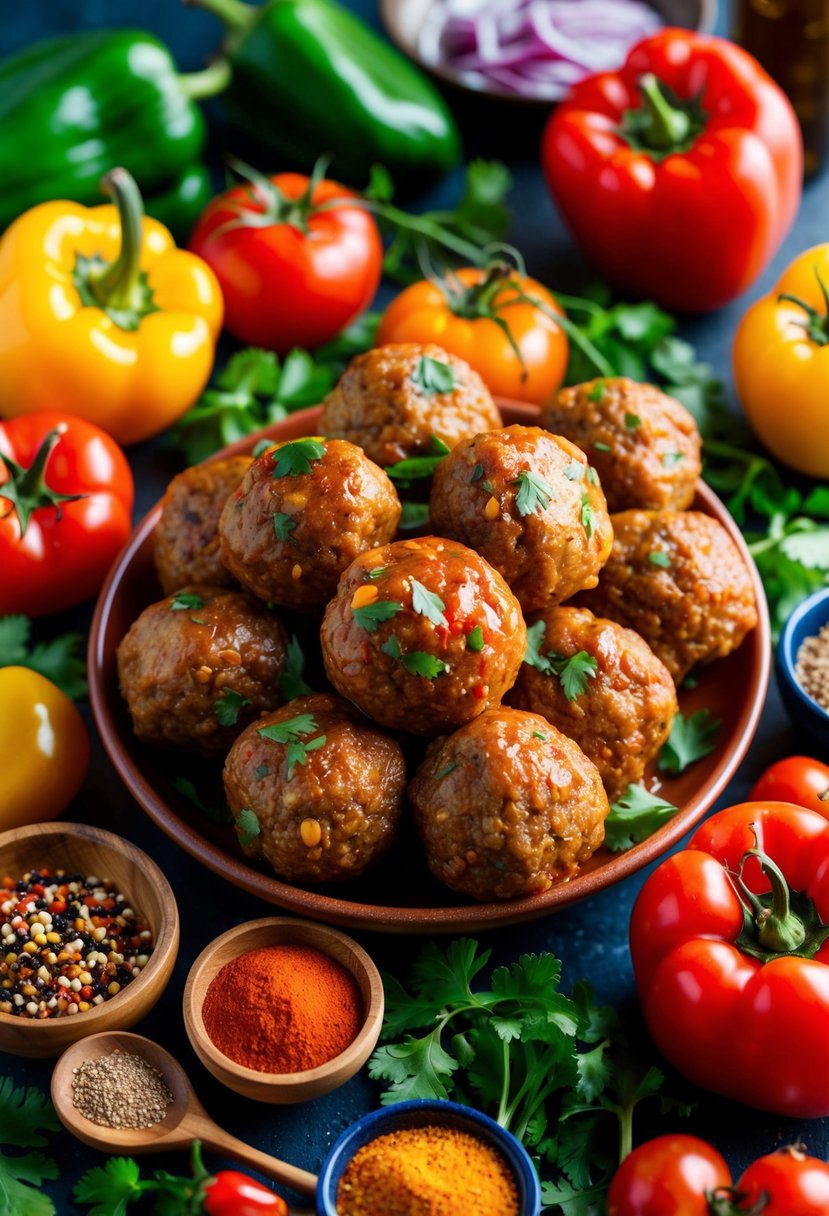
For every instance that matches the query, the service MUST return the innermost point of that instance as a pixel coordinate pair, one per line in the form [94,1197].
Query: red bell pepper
[730,946]
[66,494]
[680,174]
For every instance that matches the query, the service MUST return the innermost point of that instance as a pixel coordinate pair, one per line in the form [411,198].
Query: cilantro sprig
[690,739]
[433,376]
[226,708]
[294,733]
[534,493]
[369,616]
[297,457]
[572,671]
[291,683]
[59,660]
[634,816]
[555,1070]
[427,603]
[25,1116]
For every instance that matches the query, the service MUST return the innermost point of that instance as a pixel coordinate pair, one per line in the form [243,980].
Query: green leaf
[295,458]
[25,1115]
[18,1178]
[414,515]
[377,572]
[587,515]
[110,1187]
[573,672]
[658,558]
[186,600]
[602,447]
[292,734]
[391,647]
[420,663]
[446,973]
[809,548]
[216,814]
[632,421]
[370,615]
[532,654]
[445,771]
[428,604]
[534,494]
[575,471]
[596,391]
[817,502]
[690,739]
[475,639]
[634,816]
[432,376]
[417,1068]
[283,526]
[357,338]
[671,459]
[247,826]
[415,468]
[291,683]
[227,707]
[59,660]
[594,1071]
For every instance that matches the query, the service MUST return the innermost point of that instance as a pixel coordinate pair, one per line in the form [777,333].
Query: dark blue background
[591,938]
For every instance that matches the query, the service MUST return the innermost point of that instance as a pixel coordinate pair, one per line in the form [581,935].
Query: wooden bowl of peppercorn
[79,957]
[283,1010]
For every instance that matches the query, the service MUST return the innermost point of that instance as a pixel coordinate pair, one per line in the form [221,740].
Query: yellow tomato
[503,325]
[44,748]
[781,365]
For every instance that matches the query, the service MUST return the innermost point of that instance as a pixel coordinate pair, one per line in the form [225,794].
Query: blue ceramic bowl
[421,1113]
[808,717]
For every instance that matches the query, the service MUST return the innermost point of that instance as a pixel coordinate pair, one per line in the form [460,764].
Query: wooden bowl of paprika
[283,1010]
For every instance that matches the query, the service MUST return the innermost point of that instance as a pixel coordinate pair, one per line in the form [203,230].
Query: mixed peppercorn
[68,942]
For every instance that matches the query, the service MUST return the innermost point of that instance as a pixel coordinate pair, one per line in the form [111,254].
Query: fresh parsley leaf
[433,376]
[25,1115]
[690,739]
[248,827]
[573,671]
[216,814]
[632,421]
[391,647]
[634,816]
[185,600]
[370,615]
[475,639]
[283,526]
[596,391]
[227,707]
[291,683]
[477,474]
[534,494]
[294,458]
[414,468]
[658,558]
[419,663]
[414,515]
[416,1068]
[444,772]
[59,660]
[292,733]
[532,654]
[110,1188]
[428,604]
[587,515]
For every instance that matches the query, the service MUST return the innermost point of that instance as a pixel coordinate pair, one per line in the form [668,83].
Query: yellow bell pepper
[44,745]
[101,316]
[781,365]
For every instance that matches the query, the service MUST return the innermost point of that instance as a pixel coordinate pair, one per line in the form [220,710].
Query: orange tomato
[471,323]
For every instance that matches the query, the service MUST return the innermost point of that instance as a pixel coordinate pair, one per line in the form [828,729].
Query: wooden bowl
[399,895]
[289,1086]
[403,20]
[78,848]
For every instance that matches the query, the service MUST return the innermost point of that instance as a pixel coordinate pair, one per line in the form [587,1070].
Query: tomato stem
[27,489]
[816,323]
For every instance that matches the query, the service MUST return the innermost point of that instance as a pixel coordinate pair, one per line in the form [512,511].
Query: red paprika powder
[282,1009]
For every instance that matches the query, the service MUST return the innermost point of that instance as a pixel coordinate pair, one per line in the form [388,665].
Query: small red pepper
[230,1193]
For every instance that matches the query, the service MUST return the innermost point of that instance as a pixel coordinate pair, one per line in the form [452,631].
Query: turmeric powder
[427,1171]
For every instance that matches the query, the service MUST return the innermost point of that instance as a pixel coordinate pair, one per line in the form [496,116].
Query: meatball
[394,399]
[187,536]
[196,667]
[678,579]
[303,512]
[315,789]
[507,805]
[529,503]
[645,445]
[423,635]
[601,685]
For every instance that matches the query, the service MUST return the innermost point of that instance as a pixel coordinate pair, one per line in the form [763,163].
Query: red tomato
[797,779]
[294,270]
[668,1176]
[233,1194]
[795,1185]
[54,549]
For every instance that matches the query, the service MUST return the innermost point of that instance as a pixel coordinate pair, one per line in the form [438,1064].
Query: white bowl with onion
[530,51]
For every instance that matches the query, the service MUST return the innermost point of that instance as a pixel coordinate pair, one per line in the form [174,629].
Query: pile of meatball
[533,642]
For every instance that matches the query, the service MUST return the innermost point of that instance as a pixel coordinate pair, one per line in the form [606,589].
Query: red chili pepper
[230,1193]
[680,174]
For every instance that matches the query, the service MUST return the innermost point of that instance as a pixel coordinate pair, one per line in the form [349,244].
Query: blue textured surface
[590,938]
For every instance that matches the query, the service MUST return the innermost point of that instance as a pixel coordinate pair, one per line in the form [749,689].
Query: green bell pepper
[309,77]
[72,107]
[181,204]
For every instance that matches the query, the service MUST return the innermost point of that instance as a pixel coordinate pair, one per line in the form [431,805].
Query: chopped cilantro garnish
[428,604]
[587,515]
[690,739]
[217,813]
[432,376]
[575,471]
[592,476]
[475,639]
[419,663]
[416,467]
[376,572]
[292,733]
[537,734]
[670,459]
[283,526]
[532,655]
[444,772]
[596,393]
[247,826]
[295,457]
[634,816]
[414,515]
[477,474]
[227,707]
[658,558]
[291,683]
[534,494]
[602,447]
[391,647]
[632,421]
[370,615]
[573,671]
[185,600]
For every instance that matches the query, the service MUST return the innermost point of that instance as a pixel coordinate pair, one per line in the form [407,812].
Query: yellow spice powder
[427,1171]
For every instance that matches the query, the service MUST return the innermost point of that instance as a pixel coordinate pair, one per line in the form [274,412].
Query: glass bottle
[791,40]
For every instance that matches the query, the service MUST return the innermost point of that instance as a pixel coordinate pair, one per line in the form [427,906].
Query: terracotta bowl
[290,1086]
[399,895]
[403,20]
[78,848]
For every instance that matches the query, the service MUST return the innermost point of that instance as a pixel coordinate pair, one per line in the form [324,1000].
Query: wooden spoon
[186,1119]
